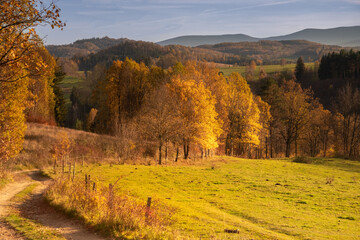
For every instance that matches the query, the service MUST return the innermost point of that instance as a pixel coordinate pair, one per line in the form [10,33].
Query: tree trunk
[288,148]
[266,147]
[160,146]
[166,151]
[177,154]
[186,150]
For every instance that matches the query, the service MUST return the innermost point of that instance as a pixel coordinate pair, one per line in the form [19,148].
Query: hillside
[268,51]
[195,40]
[342,36]
[271,52]
[149,53]
[83,47]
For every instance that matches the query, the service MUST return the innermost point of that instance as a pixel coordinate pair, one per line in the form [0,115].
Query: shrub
[303,159]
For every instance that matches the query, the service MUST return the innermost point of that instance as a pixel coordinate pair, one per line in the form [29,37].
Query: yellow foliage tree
[244,116]
[40,87]
[18,63]
[197,106]
[124,89]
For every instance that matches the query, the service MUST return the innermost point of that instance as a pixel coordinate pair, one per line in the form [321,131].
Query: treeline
[271,52]
[183,109]
[268,52]
[193,106]
[154,54]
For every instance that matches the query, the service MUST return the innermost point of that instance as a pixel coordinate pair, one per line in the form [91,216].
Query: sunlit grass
[262,198]
[30,229]
[67,84]
[24,194]
[269,69]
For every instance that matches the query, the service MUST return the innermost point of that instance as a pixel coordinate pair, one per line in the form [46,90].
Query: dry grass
[113,213]
[87,147]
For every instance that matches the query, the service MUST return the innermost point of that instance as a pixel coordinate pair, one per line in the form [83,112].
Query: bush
[303,159]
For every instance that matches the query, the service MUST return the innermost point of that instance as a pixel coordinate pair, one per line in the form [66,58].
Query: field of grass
[67,84]
[269,69]
[262,199]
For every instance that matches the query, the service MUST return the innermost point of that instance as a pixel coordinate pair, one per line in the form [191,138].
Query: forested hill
[270,52]
[152,53]
[342,36]
[83,47]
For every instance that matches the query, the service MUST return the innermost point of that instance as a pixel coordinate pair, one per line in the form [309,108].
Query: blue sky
[156,20]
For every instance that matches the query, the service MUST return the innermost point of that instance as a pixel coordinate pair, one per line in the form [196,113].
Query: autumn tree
[19,44]
[244,117]
[293,106]
[265,120]
[42,70]
[18,20]
[197,108]
[347,106]
[123,91]
[316,135]
[250,71]
[160,119]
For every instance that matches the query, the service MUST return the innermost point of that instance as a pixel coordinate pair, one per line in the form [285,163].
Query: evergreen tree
[60,108]
[300,69]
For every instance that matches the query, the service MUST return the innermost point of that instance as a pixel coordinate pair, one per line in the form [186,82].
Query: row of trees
[27,71]
[187,106]
[193,106]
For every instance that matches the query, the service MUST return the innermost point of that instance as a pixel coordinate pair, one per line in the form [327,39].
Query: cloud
[357,2]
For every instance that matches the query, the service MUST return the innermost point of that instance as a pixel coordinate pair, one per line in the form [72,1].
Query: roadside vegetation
[29,228]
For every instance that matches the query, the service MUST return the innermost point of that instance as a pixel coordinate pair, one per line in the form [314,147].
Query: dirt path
[38,209]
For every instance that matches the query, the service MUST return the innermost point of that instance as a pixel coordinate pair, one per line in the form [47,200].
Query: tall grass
[110,211]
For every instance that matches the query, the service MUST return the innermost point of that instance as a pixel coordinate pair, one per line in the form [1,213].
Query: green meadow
[67,84]
[269,69]
[261,199]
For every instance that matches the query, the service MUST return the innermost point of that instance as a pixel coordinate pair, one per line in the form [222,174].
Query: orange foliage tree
[19,44]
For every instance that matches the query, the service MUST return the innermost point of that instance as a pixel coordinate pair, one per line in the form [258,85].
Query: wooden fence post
[147,213]
[73,176]
[69,171]
[111,201]
[86,181]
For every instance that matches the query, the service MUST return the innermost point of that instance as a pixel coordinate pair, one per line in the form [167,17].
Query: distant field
[263,199]
[67,84]
[269,69]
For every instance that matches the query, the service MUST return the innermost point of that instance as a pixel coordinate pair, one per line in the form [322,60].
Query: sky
[156,20]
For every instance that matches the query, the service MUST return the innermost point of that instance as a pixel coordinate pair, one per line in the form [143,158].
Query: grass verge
[30,229]
[24,194]
[114,214]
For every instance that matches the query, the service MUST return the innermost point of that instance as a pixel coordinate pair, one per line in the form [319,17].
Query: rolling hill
[83,47]
[270,52]
[342,36]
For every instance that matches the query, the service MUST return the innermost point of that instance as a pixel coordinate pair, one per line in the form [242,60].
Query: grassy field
[67,84]
[262,199]
[269,69]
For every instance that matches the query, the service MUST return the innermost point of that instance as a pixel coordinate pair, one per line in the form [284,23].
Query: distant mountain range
[341,36]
